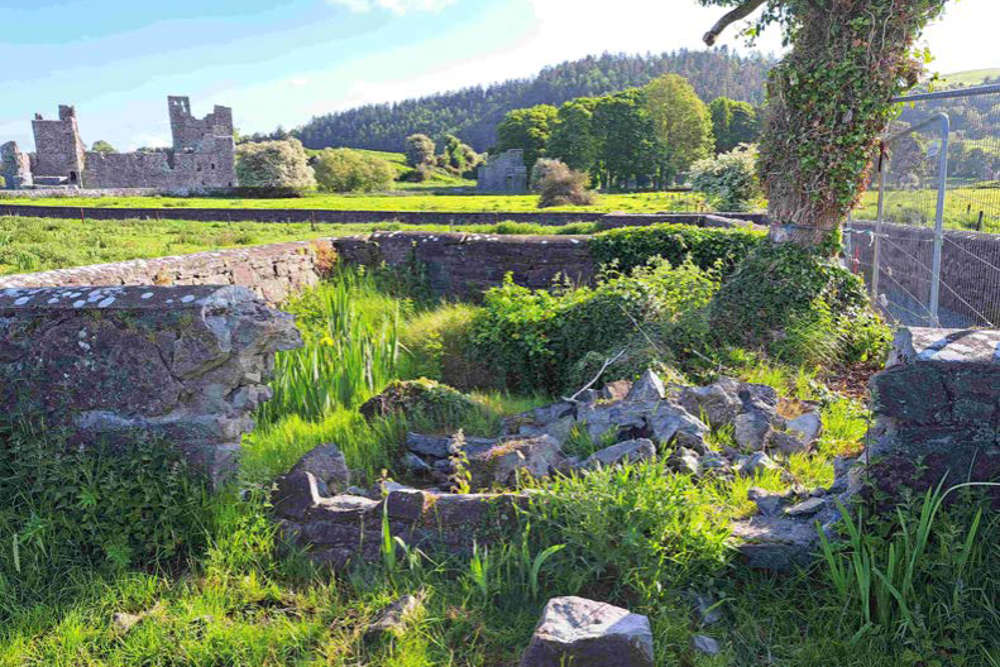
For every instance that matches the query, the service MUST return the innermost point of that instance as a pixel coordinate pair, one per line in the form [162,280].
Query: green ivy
[709,248]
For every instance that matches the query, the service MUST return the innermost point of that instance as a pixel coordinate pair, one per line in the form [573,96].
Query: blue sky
[281,62]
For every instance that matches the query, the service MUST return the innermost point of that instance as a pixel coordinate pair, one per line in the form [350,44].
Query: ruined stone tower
[59,152]
[188,131]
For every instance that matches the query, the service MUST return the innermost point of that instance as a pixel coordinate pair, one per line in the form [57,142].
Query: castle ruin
[504,172]
[202,155]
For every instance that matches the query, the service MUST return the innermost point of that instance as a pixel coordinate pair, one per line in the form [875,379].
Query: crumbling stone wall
[186,364]
[273,272]
[210,165]
[15,166]
[504,173]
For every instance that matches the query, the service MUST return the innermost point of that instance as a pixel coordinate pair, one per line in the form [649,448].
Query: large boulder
[584,633]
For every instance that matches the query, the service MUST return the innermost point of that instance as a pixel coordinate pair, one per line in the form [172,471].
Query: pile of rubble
[317,504]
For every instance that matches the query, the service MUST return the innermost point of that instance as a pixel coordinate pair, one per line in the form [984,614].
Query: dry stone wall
[185,364]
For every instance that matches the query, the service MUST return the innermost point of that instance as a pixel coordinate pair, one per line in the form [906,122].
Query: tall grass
[351,335]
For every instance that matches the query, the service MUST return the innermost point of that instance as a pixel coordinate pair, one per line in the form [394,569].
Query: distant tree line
[472,114]
[633,139]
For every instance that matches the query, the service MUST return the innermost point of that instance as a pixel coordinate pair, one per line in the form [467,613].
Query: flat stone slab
[585,633]
[971,346]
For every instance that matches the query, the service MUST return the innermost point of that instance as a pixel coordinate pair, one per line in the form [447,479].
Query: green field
[39,244]
[645,202]
[973,77]
[439,178]
[919,207]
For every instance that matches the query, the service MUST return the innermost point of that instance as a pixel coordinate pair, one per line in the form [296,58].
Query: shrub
[561,186]
[629,247]
[425,401]
[541,169]
[800,306]
[346,170]
[419,150]
[273,164]
[535,338]
[136,503]
[729,181]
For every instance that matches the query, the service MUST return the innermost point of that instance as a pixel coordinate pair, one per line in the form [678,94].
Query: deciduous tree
[828,101]
[528,129]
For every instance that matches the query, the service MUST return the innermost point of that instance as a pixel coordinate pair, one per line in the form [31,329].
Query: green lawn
[415,200]
[919,207]
[39,244]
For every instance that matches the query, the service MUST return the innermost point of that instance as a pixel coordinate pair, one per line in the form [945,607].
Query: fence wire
[927,235]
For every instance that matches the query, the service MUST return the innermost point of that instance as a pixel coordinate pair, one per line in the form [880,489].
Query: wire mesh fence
[927,235]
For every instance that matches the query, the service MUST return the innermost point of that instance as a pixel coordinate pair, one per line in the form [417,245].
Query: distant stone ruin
[202,155]
[504,173]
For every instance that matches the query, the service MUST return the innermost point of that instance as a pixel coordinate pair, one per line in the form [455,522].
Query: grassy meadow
[233,594]
[39,244]
[919,207]
[408,200]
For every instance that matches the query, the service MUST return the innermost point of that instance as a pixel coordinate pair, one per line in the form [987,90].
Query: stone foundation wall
[937,407]
[186,364]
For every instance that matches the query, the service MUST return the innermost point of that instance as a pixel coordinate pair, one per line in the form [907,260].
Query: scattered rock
[584,633]
[705,645]
[415,464]
[718,402]
[428,398]
[685,461]
[706,609]
[394,618]
[327,464]
[629,451]
[669,422]
[806,507]
[768,503]
[295,494]
[648,389]
[615,391]
[752,429]
[786,443]
[757,463]
[806,427]
[124,622]
[760,397]
[499,464]
[713,461]
[780,543]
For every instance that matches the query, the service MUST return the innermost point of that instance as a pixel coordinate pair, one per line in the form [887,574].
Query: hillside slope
[473,113]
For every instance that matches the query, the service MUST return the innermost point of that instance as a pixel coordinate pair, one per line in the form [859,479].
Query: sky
[280,62]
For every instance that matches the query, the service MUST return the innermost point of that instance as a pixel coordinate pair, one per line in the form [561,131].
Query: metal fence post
[882,159]
[939,220]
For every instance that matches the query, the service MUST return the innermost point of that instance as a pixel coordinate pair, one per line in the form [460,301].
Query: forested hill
[473,113]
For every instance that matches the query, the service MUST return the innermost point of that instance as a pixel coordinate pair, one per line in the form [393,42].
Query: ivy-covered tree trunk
[829,100]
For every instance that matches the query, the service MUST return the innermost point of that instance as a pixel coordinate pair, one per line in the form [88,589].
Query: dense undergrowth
[209,582]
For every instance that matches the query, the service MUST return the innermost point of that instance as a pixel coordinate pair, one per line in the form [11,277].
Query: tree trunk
[828,102]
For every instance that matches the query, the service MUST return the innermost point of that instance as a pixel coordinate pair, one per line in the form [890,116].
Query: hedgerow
[629,247]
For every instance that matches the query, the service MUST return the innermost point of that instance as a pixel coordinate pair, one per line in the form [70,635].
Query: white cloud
[397,7]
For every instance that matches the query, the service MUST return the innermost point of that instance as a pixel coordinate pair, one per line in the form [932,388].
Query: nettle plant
[829,99]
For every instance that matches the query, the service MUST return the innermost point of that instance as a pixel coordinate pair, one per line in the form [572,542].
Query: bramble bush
[561,186]
[629,247]
[534,338]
